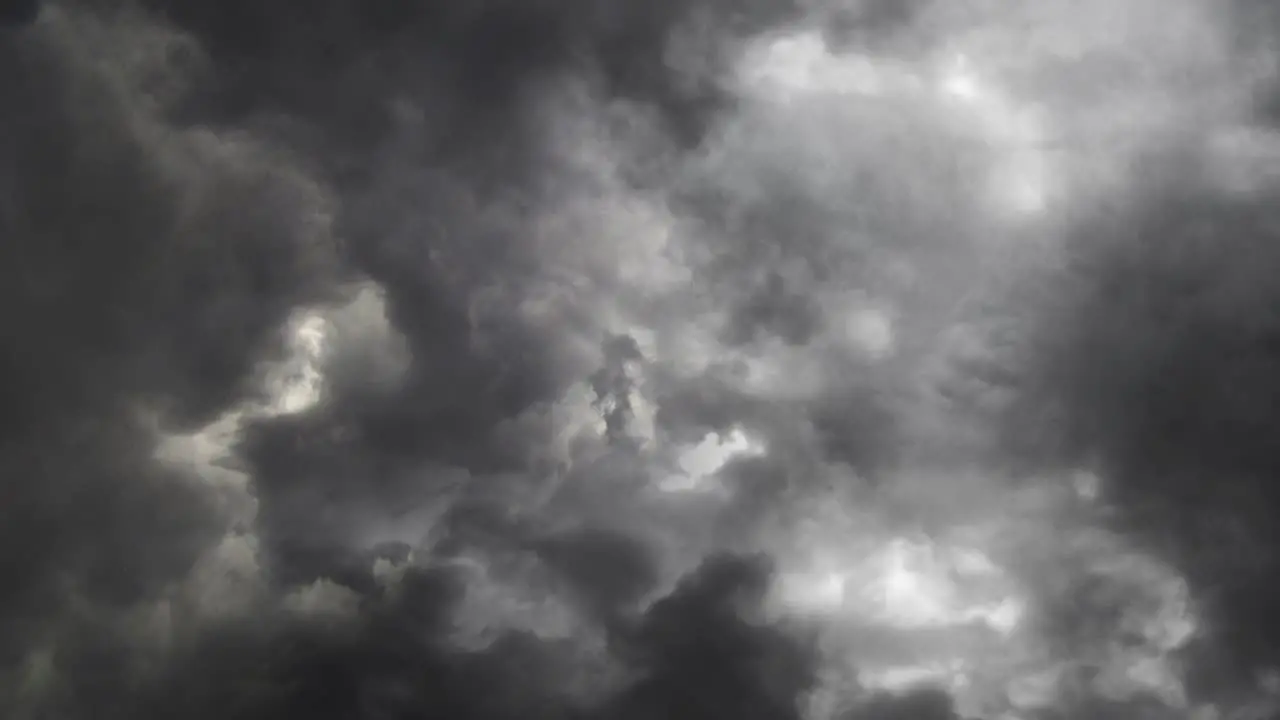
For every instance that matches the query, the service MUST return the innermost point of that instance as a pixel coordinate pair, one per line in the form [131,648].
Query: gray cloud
[611,360]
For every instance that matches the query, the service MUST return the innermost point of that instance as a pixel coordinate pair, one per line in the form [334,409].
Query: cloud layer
[621,360]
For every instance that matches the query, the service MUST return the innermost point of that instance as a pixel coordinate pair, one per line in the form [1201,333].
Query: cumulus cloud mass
[622,360]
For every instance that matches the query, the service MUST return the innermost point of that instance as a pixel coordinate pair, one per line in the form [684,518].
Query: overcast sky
[607,359]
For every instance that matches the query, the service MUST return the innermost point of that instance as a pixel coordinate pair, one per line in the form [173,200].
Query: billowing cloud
[824,359]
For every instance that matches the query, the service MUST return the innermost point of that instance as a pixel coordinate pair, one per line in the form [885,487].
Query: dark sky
[596,360]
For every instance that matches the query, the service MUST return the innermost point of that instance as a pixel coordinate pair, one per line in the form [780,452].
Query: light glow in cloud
[699,464]
[1021,178]
[794,67]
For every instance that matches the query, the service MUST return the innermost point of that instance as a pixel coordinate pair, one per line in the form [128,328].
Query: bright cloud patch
[798,67]
[699,464]
[1021,174]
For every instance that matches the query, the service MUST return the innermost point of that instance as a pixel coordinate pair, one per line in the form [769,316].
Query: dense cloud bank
[616,360]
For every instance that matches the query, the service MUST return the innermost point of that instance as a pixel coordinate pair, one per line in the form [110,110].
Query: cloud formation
[613,360]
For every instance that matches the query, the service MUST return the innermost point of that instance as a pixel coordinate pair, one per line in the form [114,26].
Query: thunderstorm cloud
[623,360]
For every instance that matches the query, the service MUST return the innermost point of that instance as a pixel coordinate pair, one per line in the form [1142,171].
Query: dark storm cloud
[338,63]
[610,571]
[1157,349]
[147,272]
[702,659]
[442,175]
[427,116]
[692,654]
[17,13]
[922,704]
[424,541]
[443,187]
[155,251]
